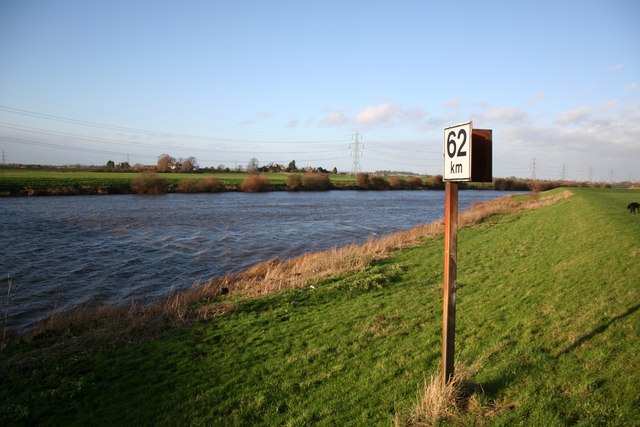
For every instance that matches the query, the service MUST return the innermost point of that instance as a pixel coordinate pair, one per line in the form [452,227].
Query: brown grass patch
[437,402]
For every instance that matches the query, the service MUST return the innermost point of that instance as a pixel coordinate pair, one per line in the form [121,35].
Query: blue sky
[91,81]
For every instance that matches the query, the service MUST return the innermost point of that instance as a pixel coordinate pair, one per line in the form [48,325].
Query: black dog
[633,207]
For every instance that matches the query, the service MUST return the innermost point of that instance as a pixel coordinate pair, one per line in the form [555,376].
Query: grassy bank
[40,182]
[548,312]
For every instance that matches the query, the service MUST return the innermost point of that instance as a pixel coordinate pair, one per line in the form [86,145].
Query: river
[58,252]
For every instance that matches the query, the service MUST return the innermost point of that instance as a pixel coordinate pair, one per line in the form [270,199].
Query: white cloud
[412,115]
[604,139]
[383,114]
[617,67]
[437,123]
[335,118]
[504,115]
[573,116]
[452,103]
[539,96]
[389,115]
[374,116]
[633,86]
[293,123]
[608,105]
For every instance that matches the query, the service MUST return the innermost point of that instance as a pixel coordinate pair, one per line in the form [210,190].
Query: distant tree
[124,166]
[335,171]
[165,162]
[292,166]
[110,164]
[188,164]
[253,166]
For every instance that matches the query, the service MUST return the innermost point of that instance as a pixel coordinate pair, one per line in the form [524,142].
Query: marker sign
[457,152]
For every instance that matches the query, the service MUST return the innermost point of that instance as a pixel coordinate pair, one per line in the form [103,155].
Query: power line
[163,147]
[393,145]
[153,132]
[59,146]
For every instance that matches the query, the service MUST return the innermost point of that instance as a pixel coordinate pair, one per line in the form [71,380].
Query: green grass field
[548,309]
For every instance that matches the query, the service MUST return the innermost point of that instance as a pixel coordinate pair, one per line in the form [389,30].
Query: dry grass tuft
[437,402]
[203,301]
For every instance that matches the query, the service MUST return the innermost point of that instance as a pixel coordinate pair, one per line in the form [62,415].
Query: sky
[558,82]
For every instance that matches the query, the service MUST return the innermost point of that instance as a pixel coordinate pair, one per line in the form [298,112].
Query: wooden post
[450,273]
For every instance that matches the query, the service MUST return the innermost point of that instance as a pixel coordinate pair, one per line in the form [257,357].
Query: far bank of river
[64,251]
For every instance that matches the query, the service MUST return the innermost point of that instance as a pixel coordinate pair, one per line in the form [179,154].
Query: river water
[64,251]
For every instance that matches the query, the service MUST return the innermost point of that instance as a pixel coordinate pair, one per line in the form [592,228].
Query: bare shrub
[148,183]
[501,184]
[294,182]
[438,181]
[189,185]
[378,183]
[535,187]
[254,184]
[362,181]
[211,184]
[316,181]
[397,183]
[414,183]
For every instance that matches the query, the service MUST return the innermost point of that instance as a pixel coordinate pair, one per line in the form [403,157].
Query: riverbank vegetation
[41,182]
[548,321]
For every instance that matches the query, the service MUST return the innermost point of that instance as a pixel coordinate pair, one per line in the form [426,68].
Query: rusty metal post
[450,275]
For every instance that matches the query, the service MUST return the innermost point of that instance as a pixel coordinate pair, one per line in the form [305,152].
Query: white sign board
[457,152]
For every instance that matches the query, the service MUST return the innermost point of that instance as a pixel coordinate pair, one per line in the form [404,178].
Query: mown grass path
[548,310]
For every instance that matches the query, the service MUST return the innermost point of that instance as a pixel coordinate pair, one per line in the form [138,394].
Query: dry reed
[202,301]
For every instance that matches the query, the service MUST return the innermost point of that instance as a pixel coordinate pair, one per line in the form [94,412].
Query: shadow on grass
[543,357]
[598,330]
